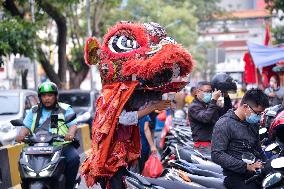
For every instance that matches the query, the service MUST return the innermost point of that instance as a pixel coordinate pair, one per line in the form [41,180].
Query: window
[33,100]
[11,104]
[76,99]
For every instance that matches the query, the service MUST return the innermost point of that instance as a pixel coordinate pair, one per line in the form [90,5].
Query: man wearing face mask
[203,113]
[236,134]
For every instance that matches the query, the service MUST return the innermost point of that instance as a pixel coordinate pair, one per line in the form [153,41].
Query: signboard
[22,63]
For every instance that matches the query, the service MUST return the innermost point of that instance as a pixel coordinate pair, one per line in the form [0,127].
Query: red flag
[267,35]
[267,71]
[250,70]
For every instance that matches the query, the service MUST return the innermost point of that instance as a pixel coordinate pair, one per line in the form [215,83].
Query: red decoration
[250,69]
[165,58]
[91,51]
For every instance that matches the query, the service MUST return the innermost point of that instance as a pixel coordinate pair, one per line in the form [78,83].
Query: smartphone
[53,120]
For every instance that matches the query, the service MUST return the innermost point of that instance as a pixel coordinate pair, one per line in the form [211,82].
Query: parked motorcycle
[272,175]
[41,163]
[136,181]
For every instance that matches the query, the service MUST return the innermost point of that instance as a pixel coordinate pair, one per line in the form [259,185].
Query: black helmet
[223,82]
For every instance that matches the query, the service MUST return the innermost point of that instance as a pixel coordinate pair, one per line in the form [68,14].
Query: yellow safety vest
[62,128]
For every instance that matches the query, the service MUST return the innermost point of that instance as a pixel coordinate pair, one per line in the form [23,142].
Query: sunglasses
[257,113]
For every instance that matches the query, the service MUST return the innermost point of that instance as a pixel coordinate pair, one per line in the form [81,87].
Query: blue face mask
[207,97]
[253,118]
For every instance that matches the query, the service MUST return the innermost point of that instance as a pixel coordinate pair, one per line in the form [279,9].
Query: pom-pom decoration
[92,50]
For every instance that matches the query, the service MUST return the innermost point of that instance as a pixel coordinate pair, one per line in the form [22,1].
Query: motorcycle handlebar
[253,178]
[55,137]
[256,176]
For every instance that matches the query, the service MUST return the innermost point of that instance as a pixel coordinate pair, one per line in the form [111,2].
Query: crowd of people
[226,128]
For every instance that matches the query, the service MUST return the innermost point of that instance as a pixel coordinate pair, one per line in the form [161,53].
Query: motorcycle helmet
[47,87]
[269,114]
[224,83]
[276,130]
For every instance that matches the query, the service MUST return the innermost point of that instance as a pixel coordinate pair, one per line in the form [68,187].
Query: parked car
[14,105]
[83,102]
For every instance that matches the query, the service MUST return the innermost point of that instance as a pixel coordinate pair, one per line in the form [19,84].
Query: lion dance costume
[137,63]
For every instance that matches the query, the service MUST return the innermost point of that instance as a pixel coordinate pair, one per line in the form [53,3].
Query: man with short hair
[203,113]
[236,134]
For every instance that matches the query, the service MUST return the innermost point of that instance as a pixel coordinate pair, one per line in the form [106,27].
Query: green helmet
[47,87]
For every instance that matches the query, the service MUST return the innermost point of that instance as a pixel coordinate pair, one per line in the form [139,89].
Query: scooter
[272,175]
[136,181]
[41,163]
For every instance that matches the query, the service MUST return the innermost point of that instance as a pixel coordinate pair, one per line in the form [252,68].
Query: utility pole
[89,33]
[32,4]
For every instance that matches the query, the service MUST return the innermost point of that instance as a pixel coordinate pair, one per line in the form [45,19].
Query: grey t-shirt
[278,98]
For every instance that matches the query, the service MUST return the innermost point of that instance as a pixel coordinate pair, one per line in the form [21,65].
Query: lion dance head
[142,52]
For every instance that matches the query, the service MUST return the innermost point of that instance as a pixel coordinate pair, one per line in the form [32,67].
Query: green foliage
[16,36]
[179,21]
[275,5]
[278,34]
[76,59]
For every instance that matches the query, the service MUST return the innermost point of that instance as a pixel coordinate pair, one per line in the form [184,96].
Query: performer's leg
[116,181]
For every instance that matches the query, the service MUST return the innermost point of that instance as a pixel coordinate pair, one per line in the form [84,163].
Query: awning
[265,56]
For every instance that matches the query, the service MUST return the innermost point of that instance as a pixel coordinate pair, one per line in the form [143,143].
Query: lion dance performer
[137,63]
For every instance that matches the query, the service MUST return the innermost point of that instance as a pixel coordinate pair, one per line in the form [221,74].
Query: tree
[278,34]
[76,65]
[277,5]
[70,26]
[180,18]
[16,38]
[20,9]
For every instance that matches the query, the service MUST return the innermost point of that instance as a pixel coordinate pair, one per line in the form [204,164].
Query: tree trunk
[60,21]
[78,77]
[98,8]
[24,75]
[48,68]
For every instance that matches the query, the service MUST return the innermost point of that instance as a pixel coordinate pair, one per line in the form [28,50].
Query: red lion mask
[137,63]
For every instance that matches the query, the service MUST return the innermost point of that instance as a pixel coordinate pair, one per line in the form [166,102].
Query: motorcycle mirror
[17,122]
[272,179]
[277,163]
[262,131]
[271,147]
[271,113]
